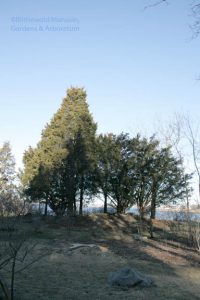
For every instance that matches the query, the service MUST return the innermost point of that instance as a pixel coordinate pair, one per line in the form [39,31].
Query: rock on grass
[129,277]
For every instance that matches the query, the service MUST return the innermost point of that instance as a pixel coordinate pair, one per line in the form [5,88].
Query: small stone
[129,277]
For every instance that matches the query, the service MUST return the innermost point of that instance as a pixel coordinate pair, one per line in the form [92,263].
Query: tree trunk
[153,209]
[120,208]
[142,212]
[151,229]
[105,209]
[81,195]
[153,201]
[70,207]
[60,210]
[46,207]
[81,202]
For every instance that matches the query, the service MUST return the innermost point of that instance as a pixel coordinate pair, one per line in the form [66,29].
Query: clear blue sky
[137,66]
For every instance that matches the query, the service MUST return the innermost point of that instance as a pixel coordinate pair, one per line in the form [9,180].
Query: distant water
[171,215]
[161,215]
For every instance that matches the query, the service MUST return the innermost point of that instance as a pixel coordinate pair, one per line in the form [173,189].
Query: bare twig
[156,4]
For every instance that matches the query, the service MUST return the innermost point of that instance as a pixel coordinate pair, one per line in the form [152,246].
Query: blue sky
[137,65]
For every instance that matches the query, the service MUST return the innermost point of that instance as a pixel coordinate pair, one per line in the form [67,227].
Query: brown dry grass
[82,273]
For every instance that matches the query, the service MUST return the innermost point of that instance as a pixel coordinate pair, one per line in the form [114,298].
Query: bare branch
[156,4]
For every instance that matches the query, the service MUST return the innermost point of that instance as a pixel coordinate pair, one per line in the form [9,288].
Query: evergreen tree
[105,156]
[120,175]
[140,164]
[137,171]
[169,182]
[58,168]
[9,198]
[158,177]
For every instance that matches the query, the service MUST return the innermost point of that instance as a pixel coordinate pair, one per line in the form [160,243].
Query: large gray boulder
[129,277]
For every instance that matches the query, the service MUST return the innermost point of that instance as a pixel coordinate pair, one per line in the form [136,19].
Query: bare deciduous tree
[173,134]
[17,253]
[192,135]
[194,12]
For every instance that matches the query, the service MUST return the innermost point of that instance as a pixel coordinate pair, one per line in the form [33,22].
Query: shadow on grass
[71,274]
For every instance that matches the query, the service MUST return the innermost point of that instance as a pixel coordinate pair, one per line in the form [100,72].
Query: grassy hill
[110,242]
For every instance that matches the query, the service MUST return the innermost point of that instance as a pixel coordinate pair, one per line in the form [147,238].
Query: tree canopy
[57,169]
[71,164]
